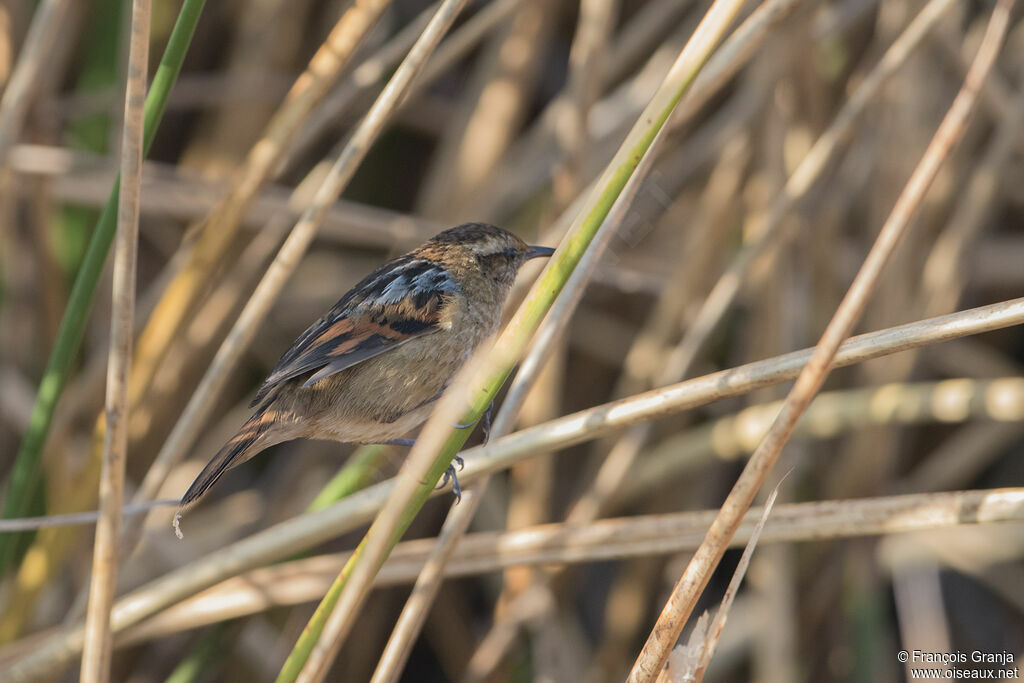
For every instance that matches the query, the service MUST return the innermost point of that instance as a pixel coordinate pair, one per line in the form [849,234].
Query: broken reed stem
[715,632]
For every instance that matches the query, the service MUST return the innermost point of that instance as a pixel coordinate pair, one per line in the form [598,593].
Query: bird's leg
[484,422]
[449,474]
[457,426]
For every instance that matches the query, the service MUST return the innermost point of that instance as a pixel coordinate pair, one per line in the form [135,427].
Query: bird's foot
[450,474]
[485,423]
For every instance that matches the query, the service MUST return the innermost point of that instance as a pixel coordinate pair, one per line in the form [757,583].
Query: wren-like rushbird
[370,370]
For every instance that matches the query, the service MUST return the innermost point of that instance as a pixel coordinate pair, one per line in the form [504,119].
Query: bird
[370,370]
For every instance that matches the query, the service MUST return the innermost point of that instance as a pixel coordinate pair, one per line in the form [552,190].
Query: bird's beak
[538,252]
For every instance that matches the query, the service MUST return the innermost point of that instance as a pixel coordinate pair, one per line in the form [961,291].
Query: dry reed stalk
[303,532]
[483,375]
[103,585]
[344,168]
[488,117]
[49,549]
[718,624]
[767,234]
[305,580]
[261,164]
[459,516]
[684,596]
[28,70]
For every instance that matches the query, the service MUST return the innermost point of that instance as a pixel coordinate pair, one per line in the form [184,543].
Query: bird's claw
[449,474]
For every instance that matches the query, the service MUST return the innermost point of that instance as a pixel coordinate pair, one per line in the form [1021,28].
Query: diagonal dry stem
[459,516]
[305,580]
[166,320]
[304,532]
[718,625]
[454,48]
[684,596]
[261,164]
[38,44]
[817,160]
[480,380]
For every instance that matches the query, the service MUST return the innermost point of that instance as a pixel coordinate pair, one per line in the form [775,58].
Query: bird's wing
[400,301]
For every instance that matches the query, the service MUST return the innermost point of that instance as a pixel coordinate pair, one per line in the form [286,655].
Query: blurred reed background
[768,187]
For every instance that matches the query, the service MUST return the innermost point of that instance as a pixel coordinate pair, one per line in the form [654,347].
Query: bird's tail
[242,446]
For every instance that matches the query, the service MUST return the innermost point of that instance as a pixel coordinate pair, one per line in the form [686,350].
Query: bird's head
[479,250]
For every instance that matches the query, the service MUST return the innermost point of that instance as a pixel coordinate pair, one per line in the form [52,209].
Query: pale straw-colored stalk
[684,596]
[477,385]
[103,584]
[304,532]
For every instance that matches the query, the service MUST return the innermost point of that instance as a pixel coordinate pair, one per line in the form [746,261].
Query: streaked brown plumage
[370,369]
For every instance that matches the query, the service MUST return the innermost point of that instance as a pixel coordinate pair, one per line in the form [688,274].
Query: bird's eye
[498,260]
